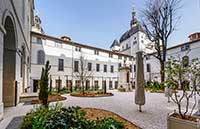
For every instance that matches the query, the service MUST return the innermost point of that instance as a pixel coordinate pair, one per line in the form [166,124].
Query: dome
[115,43]
[131,32]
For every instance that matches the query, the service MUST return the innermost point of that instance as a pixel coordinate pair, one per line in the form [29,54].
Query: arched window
[40,57]
[39,40]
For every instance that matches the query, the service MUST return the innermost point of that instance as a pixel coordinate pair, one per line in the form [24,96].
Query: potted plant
[179,77]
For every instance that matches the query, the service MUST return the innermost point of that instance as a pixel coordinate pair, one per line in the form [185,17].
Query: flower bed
[51,98]
[93,114]
[91,94]
[58,117]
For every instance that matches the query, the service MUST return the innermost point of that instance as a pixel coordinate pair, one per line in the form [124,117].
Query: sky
[99,22]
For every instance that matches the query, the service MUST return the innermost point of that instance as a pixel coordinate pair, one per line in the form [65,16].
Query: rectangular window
[76,66]
[126,46]
[96,52]
[112,69]
[110,85]
[69,84]
[134,68]
[116,84]
[39,41]
[60,65]
[185,47]
[96,84]
[103,83]
[105,68]
[119,66]
[58,83]
[119,57]
[125,58]
[58,45]
[148,68]
[87,85]
[130,68]
[77,84]
[147,57]
[78,49]
[89,66]
[97,67]
[110,55]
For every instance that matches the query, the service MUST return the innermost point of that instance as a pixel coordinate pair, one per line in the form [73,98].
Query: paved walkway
[154,112]
[153,116]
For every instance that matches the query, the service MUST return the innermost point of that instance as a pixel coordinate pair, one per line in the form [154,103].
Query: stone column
[139,90]
[2,32]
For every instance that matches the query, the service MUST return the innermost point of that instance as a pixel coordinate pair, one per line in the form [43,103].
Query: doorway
[104,84]
[9,65]
[35,85]
[110,85]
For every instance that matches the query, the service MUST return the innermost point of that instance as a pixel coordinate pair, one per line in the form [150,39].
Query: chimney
[65,38]
[194,36]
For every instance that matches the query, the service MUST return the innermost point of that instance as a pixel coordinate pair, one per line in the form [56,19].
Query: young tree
[184,75]
[50,85]
[83,73]
[43,94]
[159,21]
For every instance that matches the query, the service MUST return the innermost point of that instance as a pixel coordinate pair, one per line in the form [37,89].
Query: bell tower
[134,19]
[37,24]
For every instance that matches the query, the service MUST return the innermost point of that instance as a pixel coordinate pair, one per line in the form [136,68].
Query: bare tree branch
[83,73]
[159,17]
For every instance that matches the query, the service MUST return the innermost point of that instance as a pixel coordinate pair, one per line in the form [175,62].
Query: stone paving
[153,116]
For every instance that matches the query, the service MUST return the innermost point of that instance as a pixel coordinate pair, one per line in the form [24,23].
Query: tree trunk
[83,90]
[50,89]
[162,71]
[179,111]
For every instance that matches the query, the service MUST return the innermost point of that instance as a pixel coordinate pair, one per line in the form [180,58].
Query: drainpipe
[72,63]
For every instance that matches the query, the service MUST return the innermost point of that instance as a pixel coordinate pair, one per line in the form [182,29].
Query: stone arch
[9,61]
[7,13]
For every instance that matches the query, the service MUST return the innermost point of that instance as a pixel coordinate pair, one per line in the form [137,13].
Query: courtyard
[154,115]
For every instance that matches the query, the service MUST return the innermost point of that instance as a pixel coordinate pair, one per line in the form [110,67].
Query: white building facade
[190,50]
[104,65]
[15,24]
[64,56]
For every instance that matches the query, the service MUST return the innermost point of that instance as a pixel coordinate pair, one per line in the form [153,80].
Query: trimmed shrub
[104,89]
[43,94]
[155,86]
[121,89]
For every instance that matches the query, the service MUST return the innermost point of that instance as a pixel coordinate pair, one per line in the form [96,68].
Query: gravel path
[154,115]
[154,111]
